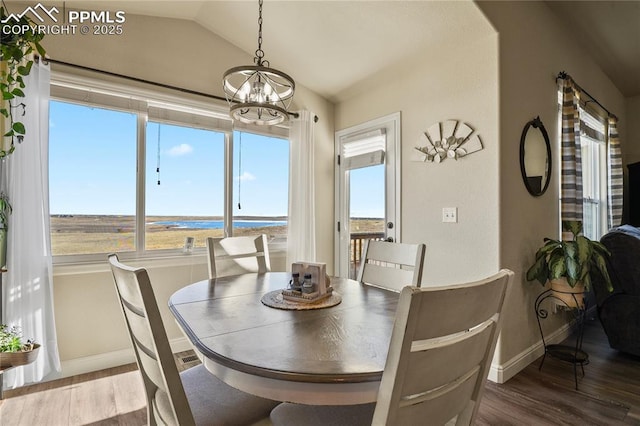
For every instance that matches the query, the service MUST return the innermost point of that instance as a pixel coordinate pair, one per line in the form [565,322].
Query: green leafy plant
[5,211]
[574,260]
[15,53]
[11,340]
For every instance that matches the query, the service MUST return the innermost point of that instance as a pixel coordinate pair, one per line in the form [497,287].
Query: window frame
[598,169]
[163,106]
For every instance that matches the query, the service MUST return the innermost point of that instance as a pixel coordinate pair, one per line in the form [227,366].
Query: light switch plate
[450,214]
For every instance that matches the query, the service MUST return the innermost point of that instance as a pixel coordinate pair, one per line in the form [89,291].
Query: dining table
[317,355]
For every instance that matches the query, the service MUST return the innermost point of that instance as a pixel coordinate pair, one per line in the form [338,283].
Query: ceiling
[328,46]
[610,30]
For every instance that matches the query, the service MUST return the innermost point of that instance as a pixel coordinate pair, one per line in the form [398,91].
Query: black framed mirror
[535,157]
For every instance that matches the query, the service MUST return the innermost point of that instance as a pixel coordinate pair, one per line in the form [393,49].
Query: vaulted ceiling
[328,46]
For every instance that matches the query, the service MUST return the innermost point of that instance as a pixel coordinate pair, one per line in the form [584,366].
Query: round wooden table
[329,356]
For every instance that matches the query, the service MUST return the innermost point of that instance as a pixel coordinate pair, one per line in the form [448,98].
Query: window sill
[157,261]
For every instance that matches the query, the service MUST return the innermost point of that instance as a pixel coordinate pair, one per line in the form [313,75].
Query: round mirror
[535,157]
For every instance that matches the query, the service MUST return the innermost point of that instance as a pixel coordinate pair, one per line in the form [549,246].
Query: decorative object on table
[315,284]
[5,211]
[258,94]
[568,265]
[13,350]
[449,139]
[313,291]
[535,157]
[15,53]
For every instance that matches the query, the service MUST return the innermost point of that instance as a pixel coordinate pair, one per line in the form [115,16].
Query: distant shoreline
[155,218]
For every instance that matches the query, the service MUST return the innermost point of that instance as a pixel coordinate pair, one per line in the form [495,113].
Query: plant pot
[16,359]
[572,297]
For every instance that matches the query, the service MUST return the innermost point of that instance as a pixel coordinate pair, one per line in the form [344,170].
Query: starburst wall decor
[448,139]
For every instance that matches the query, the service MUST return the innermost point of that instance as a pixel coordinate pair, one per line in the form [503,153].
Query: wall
[427,92]
[533,48]
[631,144]
[91,331]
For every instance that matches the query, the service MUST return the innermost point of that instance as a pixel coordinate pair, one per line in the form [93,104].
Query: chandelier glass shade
[258,94]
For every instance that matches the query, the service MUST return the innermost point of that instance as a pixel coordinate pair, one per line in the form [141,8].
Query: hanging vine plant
[16,55]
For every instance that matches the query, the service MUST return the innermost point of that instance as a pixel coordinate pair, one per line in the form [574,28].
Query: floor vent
[188,359]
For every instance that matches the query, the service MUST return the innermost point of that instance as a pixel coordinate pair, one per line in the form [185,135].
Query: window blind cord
[239,171]
[158,158]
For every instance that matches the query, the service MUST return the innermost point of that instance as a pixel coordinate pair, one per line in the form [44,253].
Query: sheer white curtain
[301,238]
[28,283]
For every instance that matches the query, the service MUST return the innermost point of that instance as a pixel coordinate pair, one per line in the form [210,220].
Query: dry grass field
[90,234]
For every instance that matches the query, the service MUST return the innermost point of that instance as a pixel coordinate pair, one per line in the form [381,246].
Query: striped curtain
[614,175]
[571,173]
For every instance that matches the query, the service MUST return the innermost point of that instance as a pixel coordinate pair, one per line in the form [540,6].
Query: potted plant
[5,211]
[16,55]
[13,350]
[568,265]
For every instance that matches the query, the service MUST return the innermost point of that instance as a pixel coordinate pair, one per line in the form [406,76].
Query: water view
[219,224]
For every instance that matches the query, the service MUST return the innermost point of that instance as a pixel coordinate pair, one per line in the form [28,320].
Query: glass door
[367,189]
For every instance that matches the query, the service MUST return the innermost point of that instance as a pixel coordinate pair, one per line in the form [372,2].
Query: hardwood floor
[609,394]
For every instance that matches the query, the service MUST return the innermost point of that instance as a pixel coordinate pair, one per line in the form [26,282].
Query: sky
[92,169]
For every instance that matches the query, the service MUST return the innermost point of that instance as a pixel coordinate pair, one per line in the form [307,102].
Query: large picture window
[141,176]
[92,175]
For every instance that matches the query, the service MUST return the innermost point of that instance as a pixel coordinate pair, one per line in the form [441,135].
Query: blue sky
[93,168]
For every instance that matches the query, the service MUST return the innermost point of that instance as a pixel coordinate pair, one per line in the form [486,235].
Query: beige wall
[426,92]
[631,144]
[533,49]
[182,54]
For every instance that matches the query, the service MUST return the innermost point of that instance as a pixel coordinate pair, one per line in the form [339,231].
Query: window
[184,185]
[261,185]
[92,155]
[594,173]
[139,174]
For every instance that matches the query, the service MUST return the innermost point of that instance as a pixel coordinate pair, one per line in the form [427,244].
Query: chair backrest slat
[238,255]
[151,345]
[391,265]
[440,353]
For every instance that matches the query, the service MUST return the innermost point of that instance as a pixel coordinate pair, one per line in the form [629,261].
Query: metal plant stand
[568,353]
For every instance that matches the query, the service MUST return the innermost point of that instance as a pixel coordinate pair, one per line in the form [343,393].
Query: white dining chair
[391,265]
[237,255]
[193,397]
[439,357]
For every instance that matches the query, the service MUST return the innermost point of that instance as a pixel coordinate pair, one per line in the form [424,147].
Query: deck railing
[357,244]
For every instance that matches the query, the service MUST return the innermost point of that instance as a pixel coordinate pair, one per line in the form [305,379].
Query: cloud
[246,176]
[182,149]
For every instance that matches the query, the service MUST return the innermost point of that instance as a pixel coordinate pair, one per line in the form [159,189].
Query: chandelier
[258,94]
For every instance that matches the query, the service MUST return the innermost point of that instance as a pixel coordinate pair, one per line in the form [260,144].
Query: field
[87,234]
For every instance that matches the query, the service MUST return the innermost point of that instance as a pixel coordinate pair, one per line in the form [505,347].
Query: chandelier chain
[259,52]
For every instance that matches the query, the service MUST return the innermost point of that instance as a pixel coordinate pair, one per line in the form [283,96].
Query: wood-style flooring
[609,394]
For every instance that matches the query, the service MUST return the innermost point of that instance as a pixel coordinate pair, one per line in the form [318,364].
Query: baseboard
[500,373]
[76,366]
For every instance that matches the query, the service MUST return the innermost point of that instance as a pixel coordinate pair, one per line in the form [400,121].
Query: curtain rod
[140,80]
[563,75]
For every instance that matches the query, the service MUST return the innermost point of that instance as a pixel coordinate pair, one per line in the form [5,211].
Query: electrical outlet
[450,214]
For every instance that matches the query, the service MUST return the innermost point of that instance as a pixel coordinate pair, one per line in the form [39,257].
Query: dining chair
[391,265]
[439,357]
[237,255]
[193,397]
